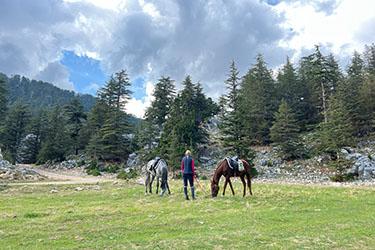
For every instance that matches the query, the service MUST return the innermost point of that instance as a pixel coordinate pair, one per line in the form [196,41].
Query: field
[122,217]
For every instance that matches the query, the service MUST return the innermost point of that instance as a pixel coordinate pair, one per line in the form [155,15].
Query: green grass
[122,217]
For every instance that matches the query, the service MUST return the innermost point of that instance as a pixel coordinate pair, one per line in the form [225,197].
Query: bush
[94,172]
[204,177]
[93,168]
[81,163]
[127,175]
[178,176]
[40,162]
[112,169]
[342,177]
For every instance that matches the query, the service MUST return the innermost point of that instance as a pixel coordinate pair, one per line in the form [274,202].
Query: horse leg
[225,185]
[231,187]
[244,185]
[152,179]
[169,191]
[157,184]
[146,182]
[249,182]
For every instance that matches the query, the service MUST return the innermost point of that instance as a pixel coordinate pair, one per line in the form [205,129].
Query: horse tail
[248,175]
[164,177]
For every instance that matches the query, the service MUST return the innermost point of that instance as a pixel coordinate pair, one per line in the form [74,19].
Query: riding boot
[186,195]
[192,193]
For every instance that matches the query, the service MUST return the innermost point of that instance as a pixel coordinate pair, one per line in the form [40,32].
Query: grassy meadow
[122,217]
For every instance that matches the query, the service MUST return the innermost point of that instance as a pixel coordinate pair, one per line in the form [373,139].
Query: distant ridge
[42,94]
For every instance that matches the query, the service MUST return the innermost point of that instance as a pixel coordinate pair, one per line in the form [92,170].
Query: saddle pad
[240,166]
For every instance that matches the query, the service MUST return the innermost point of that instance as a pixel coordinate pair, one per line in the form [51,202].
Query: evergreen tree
[349,92]
[56,143]
[258,103]
[90,134]
[292,90]
[163,97]
[114,143]
[15,128]
[367,92]
[284,132]
[116,92]
[36,133]
[3,99]
[231,118]
[76,118]
[322,75]
[336,132]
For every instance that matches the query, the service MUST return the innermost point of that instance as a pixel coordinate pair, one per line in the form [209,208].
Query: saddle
[153,166]
[235,164]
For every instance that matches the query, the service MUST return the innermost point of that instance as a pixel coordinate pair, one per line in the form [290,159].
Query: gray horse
[158,170]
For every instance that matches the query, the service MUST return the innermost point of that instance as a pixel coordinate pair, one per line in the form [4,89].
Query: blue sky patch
[87,76]
[85,72]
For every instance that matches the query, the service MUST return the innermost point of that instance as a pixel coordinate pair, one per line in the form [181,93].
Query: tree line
[316,98]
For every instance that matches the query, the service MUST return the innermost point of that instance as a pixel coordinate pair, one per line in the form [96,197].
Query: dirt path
[62,178]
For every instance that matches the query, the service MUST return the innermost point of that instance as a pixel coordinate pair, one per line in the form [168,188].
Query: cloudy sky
[78,44]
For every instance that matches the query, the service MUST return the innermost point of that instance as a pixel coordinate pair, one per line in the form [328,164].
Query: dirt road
[63,178]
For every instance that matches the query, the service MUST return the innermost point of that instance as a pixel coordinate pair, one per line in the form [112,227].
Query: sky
[78,44]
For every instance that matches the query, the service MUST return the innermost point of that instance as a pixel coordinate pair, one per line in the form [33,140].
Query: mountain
[42,94]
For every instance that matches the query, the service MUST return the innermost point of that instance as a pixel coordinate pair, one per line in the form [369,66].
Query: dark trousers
[189,177]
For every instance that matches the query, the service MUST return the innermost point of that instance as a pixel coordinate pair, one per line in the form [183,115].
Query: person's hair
[187,152]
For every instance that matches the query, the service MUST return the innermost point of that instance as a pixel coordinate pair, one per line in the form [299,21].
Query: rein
[202,188]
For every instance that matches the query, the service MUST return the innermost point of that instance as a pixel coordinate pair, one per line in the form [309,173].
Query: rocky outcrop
[9,172]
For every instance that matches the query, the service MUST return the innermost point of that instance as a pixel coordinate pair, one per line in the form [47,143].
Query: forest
[313,99]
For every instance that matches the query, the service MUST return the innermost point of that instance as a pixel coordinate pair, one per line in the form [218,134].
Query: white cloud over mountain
[175,37]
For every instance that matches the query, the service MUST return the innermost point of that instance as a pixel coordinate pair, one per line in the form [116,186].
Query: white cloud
[176,38]
[337,29]
[92,87]
[138,107]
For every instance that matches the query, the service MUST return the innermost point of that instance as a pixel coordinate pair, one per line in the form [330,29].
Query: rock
[78,189]
[115,183]
[54,191]
[1,156]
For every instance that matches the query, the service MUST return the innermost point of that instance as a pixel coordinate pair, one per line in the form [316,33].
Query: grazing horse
[159,170]
[225,170]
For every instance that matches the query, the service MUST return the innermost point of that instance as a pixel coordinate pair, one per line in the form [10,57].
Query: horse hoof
[222,195]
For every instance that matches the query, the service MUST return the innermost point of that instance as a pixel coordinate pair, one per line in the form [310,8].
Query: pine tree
[36,132]
[163,97]
[76,118]
[349,92]
[292,90]
[116,92]
[284,132]
[322,75]
[258,103]
[231,118]
[3,100]
[367,91]
[336,132]
[114,143]
[15,128]
[56,143]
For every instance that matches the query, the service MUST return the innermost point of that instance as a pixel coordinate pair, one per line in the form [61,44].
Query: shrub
[112,169]
[81,163]
[40,162]
[127,175]
[204,177]
[93,168]
[94,172]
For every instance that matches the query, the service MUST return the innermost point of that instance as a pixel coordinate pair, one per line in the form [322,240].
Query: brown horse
[224,170]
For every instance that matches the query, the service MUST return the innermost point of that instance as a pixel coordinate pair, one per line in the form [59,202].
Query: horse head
[214,189]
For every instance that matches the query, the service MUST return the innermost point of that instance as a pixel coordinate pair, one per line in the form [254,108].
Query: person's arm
[192,166]
[182,165]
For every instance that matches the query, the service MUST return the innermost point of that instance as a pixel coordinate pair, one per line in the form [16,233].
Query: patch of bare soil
[67,177]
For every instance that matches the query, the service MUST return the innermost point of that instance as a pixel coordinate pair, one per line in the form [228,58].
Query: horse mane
[218,170]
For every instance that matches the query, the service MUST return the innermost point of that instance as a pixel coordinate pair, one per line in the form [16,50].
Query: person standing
[188,173]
